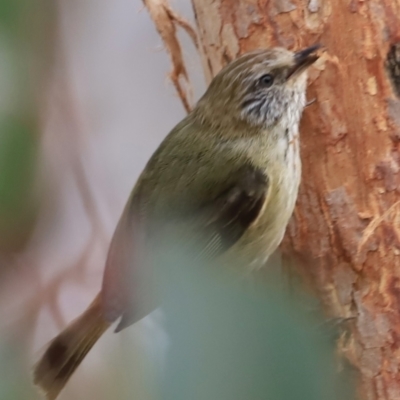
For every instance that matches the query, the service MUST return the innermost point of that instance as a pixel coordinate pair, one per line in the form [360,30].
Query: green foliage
[14,376]
[230,340]
[18,151]
[18,125]
[10,13]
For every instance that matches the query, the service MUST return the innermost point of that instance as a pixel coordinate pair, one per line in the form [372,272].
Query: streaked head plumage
[257,87]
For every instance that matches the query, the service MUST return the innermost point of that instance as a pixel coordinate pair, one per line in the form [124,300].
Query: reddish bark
[345,231]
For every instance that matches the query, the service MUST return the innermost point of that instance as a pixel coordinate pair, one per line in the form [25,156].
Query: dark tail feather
[68,349]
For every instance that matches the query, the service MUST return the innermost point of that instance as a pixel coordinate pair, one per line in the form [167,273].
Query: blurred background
[84,101]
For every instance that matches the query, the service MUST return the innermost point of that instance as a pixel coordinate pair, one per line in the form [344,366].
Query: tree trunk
[345,233]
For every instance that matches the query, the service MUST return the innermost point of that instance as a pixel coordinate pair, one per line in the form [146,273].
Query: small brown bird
[227,174]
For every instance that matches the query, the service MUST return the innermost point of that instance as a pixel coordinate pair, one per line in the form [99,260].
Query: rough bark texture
[345,234]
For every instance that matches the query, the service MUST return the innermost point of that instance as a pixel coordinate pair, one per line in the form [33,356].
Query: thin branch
[165,20]
[184,24]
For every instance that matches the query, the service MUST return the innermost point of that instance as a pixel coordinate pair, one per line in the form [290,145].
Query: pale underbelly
[262,238]
[255,246]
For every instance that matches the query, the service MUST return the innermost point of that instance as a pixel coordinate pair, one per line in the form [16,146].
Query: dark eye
[266,80]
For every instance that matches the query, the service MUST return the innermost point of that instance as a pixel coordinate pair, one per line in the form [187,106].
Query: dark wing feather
[226,218]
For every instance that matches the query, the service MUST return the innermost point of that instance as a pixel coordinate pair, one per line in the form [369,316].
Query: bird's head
[259,88]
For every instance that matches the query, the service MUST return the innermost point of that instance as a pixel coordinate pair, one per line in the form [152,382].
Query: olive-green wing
[224,219]
[216,225]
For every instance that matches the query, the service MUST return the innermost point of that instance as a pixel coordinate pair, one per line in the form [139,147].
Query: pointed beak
[303,59]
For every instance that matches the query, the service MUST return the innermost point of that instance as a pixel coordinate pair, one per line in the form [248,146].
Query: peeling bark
[166,20]
[345,233]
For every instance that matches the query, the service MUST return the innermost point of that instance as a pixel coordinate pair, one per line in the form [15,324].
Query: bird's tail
[67,350]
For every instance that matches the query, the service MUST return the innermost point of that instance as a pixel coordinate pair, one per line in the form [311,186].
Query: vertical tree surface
[345,231]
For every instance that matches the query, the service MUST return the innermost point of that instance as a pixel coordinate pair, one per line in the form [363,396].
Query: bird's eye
[266,80]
